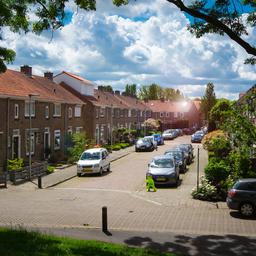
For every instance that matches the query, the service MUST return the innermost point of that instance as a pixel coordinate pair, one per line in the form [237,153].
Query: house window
[79,129]
[129,113]
[32,108]
[167,114]
[57,139]
[57,109]
[46,112]
[97,113]
[102,110]
[16,111]
[32,141]
[77,111]
[176,114]
[70,112]
[161,114]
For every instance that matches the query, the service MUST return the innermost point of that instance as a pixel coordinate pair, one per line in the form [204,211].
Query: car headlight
[96,165]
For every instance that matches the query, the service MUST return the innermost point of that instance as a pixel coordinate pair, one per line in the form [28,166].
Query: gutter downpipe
[7,129]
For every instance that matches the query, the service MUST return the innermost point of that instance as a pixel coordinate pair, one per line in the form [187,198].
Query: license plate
[87,170]
[160,179]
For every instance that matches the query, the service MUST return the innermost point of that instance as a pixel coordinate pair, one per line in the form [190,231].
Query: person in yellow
[150,184]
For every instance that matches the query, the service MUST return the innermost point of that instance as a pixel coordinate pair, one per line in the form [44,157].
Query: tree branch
[214,21]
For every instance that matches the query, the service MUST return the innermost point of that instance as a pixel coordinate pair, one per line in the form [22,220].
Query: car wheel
[108,169]
[246,209]
[79,174]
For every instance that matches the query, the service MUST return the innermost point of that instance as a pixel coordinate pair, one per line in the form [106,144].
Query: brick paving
[129,210]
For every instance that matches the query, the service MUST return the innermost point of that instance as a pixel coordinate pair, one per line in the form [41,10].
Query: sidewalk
[67,173]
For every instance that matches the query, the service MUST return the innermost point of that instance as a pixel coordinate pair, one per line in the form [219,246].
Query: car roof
[95,150]
[162,157]
[247,180]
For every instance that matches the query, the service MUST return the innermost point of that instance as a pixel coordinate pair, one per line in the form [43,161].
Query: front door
[16,147]
[46,145]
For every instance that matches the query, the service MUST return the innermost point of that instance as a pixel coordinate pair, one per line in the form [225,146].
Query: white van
[95,160]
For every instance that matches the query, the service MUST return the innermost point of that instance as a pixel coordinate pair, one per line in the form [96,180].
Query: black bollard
[39,182]
[104,219]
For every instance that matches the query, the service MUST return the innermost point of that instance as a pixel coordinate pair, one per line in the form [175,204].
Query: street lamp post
[30,131]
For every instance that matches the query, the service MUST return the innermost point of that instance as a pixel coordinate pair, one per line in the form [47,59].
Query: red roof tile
[168,106]
[17,84]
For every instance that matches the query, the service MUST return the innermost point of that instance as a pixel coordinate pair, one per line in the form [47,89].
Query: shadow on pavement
[206,245]
[238,215]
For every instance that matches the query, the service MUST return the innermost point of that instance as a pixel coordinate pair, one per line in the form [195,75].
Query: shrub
[50,169]
[123,145]
[205,191]
[15,164]
[216,171]
[116,147]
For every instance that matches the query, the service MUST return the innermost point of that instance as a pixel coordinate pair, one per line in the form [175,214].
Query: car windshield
[162,163]
[176,154]
[90,156]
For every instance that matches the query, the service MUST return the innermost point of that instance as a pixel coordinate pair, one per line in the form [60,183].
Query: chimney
[48,75]
[117,92]
[27,70]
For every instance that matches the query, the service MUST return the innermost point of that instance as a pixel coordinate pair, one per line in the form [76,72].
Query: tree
[131,90]
[208,101]
[220,16]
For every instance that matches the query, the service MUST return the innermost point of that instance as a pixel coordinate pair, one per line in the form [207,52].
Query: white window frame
[161,114]
[78,111]
[176,114]
[32,140]
[32,108]
[16,111]
[79,129]
[70,112]
[57,134]
[70,131]
[167,114]
[102,112]
[57,110]
[47,112]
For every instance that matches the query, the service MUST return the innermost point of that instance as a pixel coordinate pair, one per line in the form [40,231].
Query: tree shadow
[206,245]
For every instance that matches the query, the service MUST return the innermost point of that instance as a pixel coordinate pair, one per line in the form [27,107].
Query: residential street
[74,208]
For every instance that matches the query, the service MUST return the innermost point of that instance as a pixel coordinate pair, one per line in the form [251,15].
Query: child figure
[150,184]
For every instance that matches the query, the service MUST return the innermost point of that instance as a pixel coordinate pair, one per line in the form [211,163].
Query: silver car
[164,170]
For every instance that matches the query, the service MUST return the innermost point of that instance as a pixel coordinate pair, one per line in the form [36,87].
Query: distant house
[175,114]
[54,112]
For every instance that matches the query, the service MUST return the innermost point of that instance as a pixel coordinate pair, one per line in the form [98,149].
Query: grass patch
[22,242]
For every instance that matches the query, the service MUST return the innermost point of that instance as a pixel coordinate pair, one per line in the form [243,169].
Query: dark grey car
[242,196]
[179,158]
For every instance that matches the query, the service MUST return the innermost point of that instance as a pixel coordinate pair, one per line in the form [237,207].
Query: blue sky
[145,42]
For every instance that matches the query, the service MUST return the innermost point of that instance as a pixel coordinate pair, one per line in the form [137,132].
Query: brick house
[175,114]
[105,111]
[55,113]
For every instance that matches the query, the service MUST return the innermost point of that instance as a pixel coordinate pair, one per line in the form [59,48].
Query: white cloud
[144,42]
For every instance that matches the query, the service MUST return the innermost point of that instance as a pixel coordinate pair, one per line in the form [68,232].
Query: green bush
[206,191]
[116,147]
[216,171]
[123,145]
[50,169]
[15,164]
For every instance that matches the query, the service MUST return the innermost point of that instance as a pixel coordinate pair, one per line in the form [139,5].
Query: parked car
[95,160]
[169,134]
[144,144]
[179,158]
[186,153]
[158,138]
[164,170]
[152,139]
[190,150]
[242,196]
[197,137]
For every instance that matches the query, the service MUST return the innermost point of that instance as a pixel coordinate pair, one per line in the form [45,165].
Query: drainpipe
[7,128]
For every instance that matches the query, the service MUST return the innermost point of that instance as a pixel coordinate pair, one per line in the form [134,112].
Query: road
[77,203]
